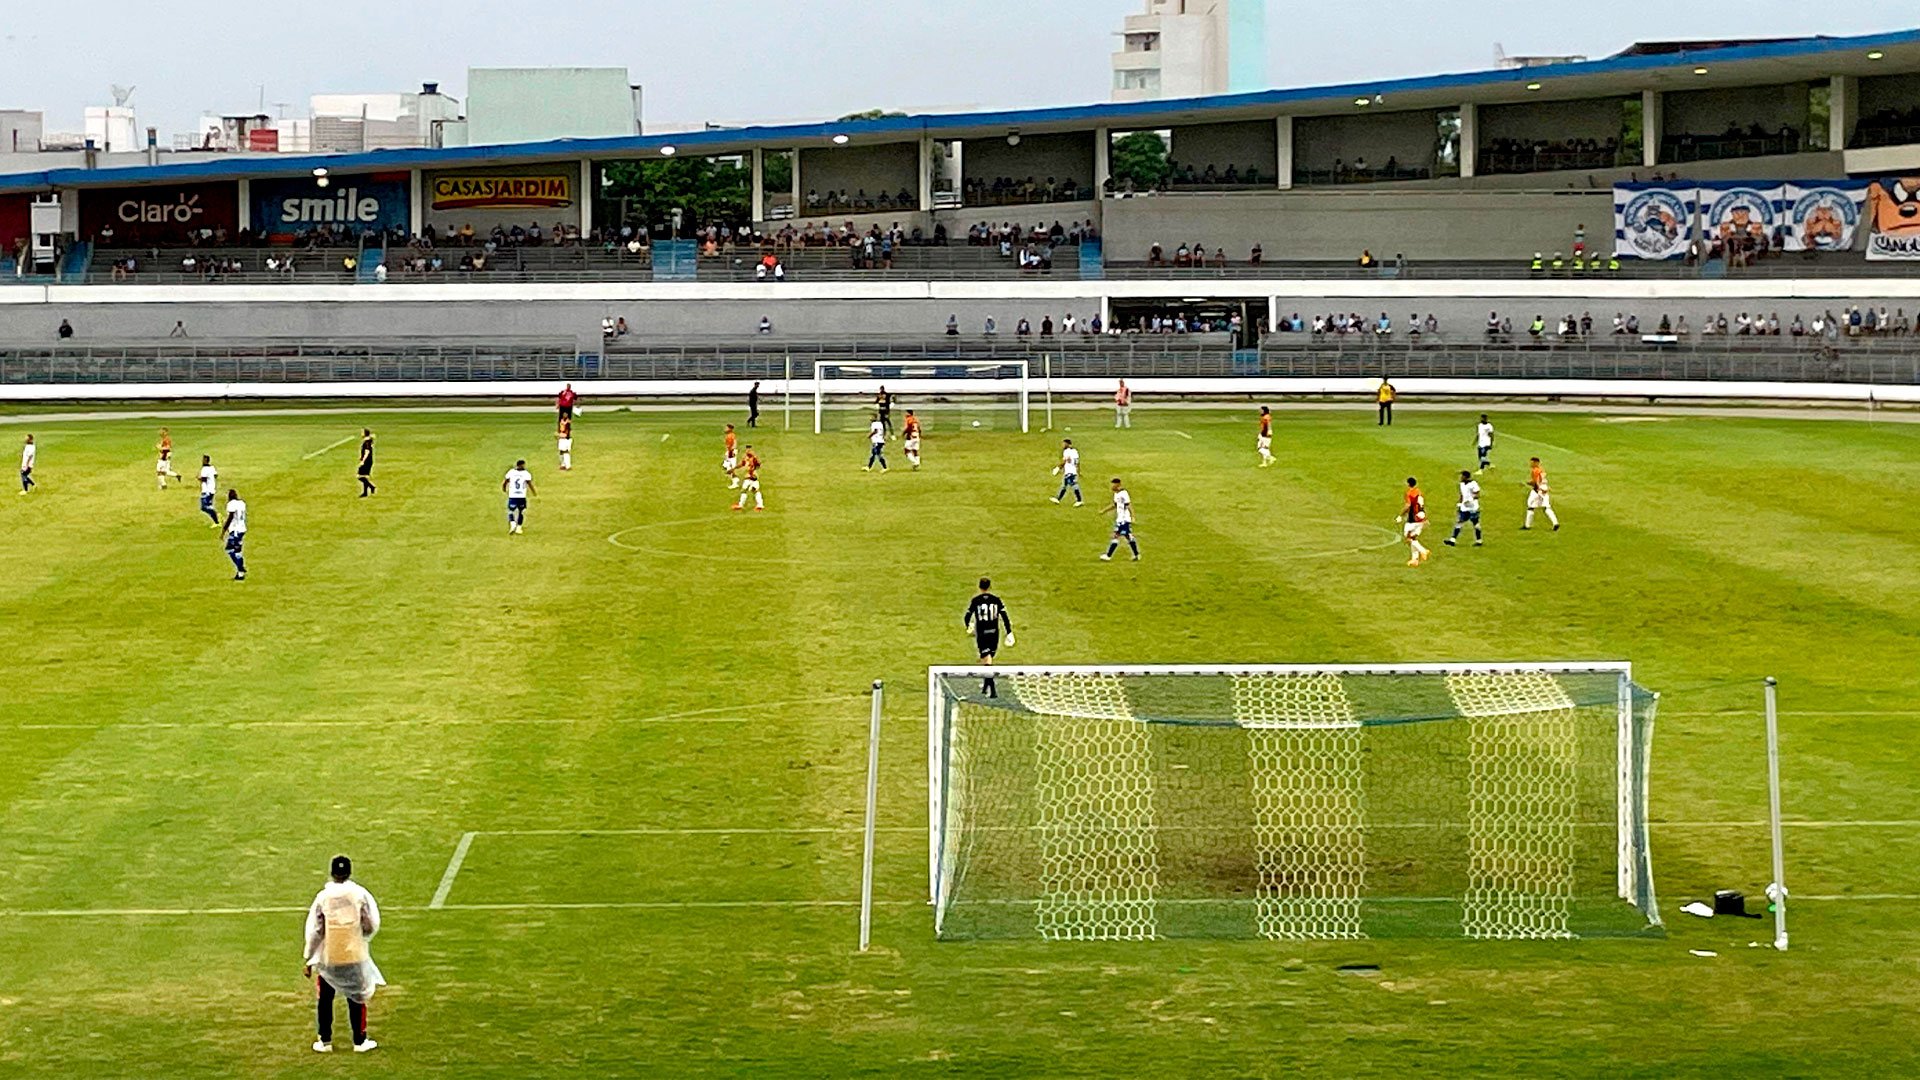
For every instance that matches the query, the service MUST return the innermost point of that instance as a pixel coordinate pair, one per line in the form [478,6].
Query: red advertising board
[16,221]
[163,213]
[263,140]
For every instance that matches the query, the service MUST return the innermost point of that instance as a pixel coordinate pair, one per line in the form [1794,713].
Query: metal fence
[1881,361]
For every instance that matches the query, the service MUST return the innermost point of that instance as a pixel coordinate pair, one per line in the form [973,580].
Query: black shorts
[566,411]
[989,644]
[366,468]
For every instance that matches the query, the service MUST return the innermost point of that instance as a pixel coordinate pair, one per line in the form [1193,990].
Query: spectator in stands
[348,263]
[1367,261]
[1155,256]
[1046,327]
[1538,327]
[953,326]
[66,330]
[380,272]
[1022,329]
[766,325]
[1799,328]
[990,329]
[1493,324]
[606,328]
[1253,257]
[1220,258]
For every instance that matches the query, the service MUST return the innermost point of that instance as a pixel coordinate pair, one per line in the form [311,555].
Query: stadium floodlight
[669,151]
[1362,102]
[1699,71]
[1490,801]
[1876,55]
[840,140]
[1013,137]
[1533,86]
[991,394]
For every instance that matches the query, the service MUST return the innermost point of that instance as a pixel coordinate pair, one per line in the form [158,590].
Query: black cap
[342,868]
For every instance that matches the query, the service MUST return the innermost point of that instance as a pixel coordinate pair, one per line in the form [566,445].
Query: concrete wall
[1708,112]
[1061,156]
[1337,225]
[792,319]
[1409,137]
[1589,118]
[484,218]
[889,167]
[1253,144]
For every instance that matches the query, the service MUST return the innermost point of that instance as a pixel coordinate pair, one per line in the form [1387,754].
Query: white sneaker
[363,1047]
[1106,558]
[322,1047]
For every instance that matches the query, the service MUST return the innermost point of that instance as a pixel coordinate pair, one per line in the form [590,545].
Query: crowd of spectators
[1196,256]
[1544,155]
[1889,127]
[1093,327]
[1009,191]
[836,201]
[1754,140]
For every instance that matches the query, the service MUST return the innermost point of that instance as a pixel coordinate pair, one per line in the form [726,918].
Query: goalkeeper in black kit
[985,616]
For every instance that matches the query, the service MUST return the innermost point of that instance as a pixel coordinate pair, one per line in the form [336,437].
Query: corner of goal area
[1492,802]
[651,868]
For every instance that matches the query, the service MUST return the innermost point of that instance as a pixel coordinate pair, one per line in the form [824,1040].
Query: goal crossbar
[1114,801]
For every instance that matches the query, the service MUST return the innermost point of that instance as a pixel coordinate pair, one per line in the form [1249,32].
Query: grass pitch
[648,711]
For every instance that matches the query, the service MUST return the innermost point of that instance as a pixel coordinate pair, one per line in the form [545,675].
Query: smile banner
[462,192]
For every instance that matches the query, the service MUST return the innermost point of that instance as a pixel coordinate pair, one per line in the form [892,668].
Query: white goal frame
[859,378]
[1627,863]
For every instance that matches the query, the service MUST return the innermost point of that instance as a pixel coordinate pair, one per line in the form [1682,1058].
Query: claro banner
[455,192]
[356,203]
[164,213]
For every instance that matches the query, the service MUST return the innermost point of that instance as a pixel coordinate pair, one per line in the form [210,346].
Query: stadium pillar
[1469,138]
[1843,101]
[1652,126]
[416,210]
[1102,161]
[586,199]
[759,184]
[926,172]
[795,171]
[1283,152]
[243,203]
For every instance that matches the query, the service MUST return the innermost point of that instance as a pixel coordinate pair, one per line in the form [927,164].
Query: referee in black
[365,470]
[985,616]
[753,406]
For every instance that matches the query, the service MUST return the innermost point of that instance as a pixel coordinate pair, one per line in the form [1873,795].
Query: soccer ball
[976,423]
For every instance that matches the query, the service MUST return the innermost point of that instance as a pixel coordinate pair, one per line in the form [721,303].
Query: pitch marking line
[1184,435]
[690,716]
[324,449]
[453,871]
[1537,442]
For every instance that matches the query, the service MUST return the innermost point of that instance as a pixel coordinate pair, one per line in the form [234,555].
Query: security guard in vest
[1383,397]
[1538,264]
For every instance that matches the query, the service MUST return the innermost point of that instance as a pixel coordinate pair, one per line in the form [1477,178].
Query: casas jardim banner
[501,192]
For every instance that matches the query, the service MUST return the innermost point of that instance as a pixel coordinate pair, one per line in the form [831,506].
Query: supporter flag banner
[354,203]
[466,192]
[1653,221]
[1821,215]
[1732,211]
[1893,202]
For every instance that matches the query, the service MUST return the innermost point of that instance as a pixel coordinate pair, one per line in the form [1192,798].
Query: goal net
[1290,803]
[949,394]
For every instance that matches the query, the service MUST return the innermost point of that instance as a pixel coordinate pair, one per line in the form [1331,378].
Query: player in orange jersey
[910,438]
[730,460]
[563,438]
[163,468]
[1538,497]
[1264,443]
[1413,521]
[751,484]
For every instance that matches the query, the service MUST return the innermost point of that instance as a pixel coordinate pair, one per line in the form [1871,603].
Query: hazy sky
[771,60]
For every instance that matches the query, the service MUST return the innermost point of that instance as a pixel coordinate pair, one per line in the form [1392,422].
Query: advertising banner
[355,203]
[456,192]
[1822,215]
[1893,203]
[15,222]
[164,213]
[1653,221]
[1733,211]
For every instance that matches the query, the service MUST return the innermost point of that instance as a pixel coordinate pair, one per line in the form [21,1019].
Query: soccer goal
[986,394]
[1290,803]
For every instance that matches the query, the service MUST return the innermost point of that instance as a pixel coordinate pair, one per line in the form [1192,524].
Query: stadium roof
[1657,66]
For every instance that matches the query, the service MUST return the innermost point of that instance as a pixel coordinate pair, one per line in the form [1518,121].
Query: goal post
[1490,801]
[995,393]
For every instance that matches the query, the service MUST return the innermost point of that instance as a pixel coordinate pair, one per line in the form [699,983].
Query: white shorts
[750,485]
[1412,529]
[729,462]
[566,446]
[163,466]
[1264,442]
[1538,500]
[912,445]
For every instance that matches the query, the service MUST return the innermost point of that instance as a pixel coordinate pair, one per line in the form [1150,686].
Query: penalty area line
[1537,442]
[324,449]
[453,870]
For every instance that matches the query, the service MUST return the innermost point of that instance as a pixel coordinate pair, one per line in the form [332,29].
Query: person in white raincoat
[340,926]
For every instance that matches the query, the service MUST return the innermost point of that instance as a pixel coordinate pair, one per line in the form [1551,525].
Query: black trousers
[356,1013]
[1386,414]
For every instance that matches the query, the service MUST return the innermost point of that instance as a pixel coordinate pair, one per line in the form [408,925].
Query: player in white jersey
[237,534]
[1069,472]
[518,484]
[209,483]
[1467,510]
[28,455]
[1483,442]
[1122,509]
[1538,496]
[876,445]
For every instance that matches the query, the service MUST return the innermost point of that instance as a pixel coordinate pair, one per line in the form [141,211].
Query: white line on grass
[453,871]
[324,449]
[1184,435]
[1537,442]
[690,716]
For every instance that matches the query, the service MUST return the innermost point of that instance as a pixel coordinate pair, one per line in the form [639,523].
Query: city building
[381,121]
[21,131]
[506,105]
[1191,48]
